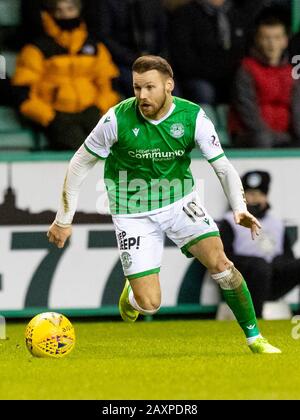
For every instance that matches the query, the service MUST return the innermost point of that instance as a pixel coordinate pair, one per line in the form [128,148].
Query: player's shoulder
[186,105]
[125,106]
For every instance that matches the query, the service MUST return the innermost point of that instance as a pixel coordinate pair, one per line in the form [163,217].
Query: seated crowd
[76,55]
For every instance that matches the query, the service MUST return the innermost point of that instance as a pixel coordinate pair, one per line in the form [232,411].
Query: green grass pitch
[154,360]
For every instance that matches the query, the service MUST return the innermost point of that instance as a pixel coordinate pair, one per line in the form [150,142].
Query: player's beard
[156,109]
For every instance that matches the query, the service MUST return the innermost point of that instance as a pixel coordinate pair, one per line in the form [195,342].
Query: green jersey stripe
[216,158]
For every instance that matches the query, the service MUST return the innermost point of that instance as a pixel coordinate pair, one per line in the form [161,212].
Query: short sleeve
[103,136]
[207,138]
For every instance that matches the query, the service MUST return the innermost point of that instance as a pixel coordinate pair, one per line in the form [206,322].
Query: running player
[146,143]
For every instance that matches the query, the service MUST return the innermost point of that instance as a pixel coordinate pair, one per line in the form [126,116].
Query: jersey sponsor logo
[128,243]
[126,260]
[136,131]
[156,154]
[177,130]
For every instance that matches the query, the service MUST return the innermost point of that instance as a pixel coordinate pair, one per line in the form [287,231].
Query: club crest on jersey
[177,130]
[126,260]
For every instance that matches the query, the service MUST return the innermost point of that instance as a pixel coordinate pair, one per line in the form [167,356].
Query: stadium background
[174,359]
[47,278]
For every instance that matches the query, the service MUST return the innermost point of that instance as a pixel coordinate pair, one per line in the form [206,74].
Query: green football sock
[240,302]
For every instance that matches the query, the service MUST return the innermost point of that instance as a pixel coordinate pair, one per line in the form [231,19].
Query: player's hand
[247,220]
[58,235]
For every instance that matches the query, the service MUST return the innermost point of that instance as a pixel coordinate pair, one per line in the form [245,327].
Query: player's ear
[170,85]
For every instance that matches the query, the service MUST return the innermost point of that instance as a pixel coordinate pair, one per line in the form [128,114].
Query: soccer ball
[50,335]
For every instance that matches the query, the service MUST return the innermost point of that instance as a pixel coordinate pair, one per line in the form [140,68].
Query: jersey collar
[156,122]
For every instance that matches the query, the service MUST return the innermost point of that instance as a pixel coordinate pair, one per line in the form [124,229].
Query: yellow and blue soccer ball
[50,334]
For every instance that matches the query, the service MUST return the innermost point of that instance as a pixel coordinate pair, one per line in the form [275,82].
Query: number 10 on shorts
[193,211]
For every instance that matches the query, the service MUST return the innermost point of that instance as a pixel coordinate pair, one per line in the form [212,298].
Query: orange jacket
[65,71]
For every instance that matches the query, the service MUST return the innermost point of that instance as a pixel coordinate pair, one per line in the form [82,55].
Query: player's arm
[96,146]
[234,192]
[78,169]
[208,141]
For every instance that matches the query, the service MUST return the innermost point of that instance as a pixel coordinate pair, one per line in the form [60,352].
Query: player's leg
[254,268]
[144,294]
[196,233]
[140,243]
[210,253]
[140,296]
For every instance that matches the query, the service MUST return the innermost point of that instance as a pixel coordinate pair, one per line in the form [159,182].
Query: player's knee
[219,263]
[228,279]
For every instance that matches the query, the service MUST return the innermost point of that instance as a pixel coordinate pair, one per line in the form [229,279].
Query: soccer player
[146,143]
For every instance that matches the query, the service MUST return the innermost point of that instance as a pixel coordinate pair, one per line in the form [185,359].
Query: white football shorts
[141,237]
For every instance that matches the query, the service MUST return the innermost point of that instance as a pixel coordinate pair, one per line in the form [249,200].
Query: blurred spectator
[131,28]
[32,25]
[268,262]
[266,98]
[207,40]
[63,81]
